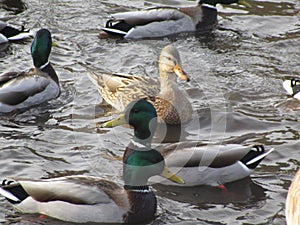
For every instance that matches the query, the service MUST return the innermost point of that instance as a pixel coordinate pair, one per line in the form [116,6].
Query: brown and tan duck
[170,101]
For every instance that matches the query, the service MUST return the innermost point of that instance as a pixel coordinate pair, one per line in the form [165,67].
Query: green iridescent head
[141,165]
[41,47]
[142,116]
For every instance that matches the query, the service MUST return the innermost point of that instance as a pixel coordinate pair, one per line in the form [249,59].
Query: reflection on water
[16,6]
[243,192]
[236,91]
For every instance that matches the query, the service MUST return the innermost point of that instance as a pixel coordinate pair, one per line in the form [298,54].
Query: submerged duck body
[19,90]
[8,33]
[197,164]
[164,21]
[170,101]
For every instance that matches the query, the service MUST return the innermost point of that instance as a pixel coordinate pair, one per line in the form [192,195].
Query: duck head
[143,162]
[170,64]
[141,115]
[41,48]
[141,165]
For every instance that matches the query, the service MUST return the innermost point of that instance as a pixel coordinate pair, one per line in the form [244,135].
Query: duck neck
[143,204]
[142,141]
[167,80]
[144,132]
[141,189]
[47,68]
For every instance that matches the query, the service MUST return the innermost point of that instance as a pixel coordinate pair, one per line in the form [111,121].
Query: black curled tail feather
[14,189]
[295,85]
[252,158]
[10,31]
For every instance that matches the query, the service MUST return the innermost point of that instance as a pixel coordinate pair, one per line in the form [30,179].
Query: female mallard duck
[84,199]
[164,21]
[292,209]
[20,90]
[171,103]
[197,164]
[8,33]
[292,87]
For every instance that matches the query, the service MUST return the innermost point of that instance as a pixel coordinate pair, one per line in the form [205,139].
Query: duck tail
[292,86]
[255,156]
[13,191]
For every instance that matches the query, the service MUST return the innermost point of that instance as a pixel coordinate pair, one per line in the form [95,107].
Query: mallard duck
[292,209]
[84,199]
[292,86]
[164,21]
[171,103]
[20,90]
[198,164]
[8,33]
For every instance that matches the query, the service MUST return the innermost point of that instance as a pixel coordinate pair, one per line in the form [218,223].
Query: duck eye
[135,110]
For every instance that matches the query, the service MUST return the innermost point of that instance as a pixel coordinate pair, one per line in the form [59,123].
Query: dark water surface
[236,89]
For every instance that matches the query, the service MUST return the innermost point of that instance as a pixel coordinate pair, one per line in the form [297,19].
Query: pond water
[236,89]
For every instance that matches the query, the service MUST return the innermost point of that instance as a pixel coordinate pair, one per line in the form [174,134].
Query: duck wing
[215,156]
[73,198]
[120,89]
[15,88]
[155,22]
[72,189]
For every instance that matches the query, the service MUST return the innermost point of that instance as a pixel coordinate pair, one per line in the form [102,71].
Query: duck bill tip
[120,120]
[181,73]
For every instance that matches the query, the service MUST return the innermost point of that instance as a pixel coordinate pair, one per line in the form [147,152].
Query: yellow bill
[54,44]
[180,73]
[171,176]
[120,120]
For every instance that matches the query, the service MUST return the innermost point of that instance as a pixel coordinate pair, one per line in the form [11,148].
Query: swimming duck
[292,210]
[171,103]
[164,21]
[292,86]
[84,199]
[198,164]
[8,33]
[20,90]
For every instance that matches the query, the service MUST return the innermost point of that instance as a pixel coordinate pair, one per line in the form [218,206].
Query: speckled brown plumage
[170,101]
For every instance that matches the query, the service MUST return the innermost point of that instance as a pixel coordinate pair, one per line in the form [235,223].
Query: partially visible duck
[197,164]
[164,21]
[8,33]
[84,199]
[19,90]
[171,103]
[292,206]
[292,86]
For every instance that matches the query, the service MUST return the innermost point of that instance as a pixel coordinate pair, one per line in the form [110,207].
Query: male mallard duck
[198,165]
[164,21]
[85,199]
[8,33]
[171,103]
[20,90]
[292,87]
[292,209]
